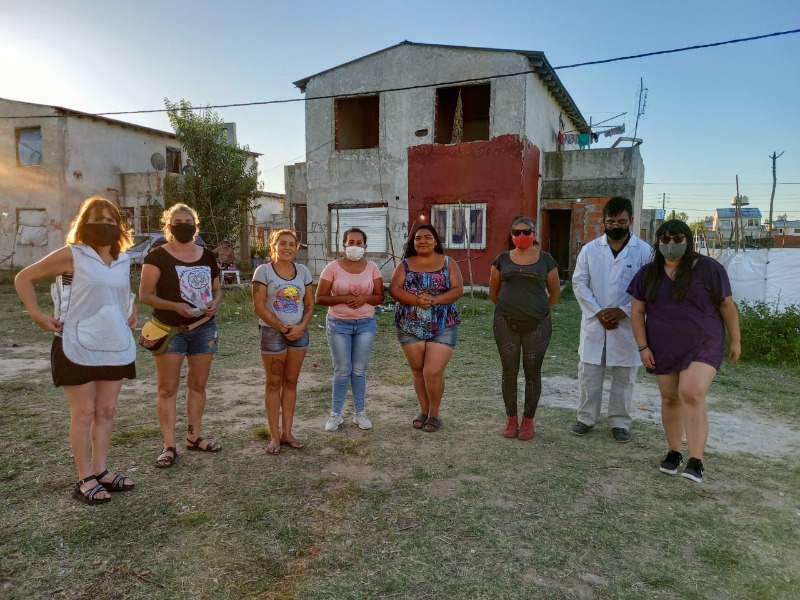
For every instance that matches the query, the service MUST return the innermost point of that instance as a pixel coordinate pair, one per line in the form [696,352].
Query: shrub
[769,335]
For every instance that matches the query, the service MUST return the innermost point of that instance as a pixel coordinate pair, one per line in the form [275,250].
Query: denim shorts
[200,340]
[274,342]
[446,336]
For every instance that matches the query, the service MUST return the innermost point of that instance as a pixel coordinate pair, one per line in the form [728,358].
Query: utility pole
[664,201]
[738,214]
[772,200]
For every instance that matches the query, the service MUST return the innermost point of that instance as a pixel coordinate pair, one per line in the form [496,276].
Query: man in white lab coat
[604,268]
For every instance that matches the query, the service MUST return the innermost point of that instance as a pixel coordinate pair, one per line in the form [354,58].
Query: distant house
[464,138]
[53,158]
[750,222]
[784,227]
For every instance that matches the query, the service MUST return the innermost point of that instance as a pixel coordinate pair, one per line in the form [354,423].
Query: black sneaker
[694,470]
[671,463]
[580,428]
[622,435]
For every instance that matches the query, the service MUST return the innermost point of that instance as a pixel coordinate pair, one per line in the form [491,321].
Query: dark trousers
[533,347]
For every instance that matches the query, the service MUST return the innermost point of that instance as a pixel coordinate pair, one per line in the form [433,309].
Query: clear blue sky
[711,114]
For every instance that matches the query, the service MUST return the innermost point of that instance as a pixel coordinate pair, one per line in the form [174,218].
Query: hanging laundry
[584,140]
[561,139]
[595,138]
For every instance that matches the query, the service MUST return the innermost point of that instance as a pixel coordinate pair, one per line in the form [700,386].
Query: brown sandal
[167,461]
[211,445]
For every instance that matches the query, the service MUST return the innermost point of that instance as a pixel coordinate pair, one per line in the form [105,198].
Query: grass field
[391,512]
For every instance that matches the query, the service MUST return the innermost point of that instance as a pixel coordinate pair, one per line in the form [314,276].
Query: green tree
[224,178]
[697,226]
[681,216]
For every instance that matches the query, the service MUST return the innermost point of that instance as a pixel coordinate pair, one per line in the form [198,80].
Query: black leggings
[533,347]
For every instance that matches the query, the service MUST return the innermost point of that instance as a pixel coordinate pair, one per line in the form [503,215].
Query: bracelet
[645,347]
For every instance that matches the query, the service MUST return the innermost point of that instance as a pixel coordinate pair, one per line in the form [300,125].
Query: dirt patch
[741,430]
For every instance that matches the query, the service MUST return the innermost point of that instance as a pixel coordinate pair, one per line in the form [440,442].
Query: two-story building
[749,222]
[464,138]
[52,158]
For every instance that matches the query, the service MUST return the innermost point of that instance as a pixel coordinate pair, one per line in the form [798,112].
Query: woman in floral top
[426,286]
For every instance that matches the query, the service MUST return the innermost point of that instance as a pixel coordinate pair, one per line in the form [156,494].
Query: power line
[538,70]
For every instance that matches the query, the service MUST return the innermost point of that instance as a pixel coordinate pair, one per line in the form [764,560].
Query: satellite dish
[158,162]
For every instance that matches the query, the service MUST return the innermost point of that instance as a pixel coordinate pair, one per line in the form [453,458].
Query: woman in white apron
[93,349]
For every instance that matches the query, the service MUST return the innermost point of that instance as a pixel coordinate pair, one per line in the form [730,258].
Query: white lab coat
[600,281]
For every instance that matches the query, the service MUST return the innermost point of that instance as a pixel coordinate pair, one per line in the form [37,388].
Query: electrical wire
[536,71]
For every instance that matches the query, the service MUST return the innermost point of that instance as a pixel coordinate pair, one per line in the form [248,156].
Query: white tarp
[769,275]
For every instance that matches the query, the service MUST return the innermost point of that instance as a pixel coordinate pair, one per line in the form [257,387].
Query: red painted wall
[503,172]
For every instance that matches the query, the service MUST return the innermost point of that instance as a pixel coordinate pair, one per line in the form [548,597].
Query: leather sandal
[211,445]
[117,484]
[88,497]
[166,462]
[432,424]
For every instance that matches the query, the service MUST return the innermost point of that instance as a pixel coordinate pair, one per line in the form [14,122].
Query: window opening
[462,114]
[357,122]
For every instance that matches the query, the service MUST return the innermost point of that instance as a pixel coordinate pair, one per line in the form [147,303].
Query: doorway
[554,238]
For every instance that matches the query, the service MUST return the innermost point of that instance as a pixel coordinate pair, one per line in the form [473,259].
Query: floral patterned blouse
[420,322]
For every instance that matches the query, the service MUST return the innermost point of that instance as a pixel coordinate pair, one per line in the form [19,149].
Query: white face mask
[355,253]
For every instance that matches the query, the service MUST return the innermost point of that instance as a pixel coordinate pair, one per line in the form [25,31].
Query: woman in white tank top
[93,350]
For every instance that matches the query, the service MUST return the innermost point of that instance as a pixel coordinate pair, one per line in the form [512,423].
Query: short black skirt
[66,372]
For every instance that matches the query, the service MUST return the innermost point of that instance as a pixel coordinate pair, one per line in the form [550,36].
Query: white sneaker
[360,419]
[333,422]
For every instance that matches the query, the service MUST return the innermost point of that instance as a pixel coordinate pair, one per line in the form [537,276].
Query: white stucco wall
[81,156]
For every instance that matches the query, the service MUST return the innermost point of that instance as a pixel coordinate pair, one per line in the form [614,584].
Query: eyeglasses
[678,238]
[622,223]
[518,232]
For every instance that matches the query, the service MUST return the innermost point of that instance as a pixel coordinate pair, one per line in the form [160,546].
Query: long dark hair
[655,270]
[411,251]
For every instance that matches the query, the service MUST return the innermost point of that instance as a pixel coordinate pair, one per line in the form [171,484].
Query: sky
[710,114]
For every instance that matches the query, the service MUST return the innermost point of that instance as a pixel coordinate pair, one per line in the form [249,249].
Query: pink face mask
[522,242]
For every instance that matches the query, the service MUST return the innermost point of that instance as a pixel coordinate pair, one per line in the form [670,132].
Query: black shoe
[694,470]
[622,435]
[671,463]
[580,428]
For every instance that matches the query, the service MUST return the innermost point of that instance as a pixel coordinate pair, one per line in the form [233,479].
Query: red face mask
[522,242]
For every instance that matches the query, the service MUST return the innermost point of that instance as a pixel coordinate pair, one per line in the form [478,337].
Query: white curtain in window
[370,220]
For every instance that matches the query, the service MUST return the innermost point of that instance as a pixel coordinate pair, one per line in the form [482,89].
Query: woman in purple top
[426,286]
[682,305]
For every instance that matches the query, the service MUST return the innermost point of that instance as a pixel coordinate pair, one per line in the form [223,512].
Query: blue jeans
[350,342]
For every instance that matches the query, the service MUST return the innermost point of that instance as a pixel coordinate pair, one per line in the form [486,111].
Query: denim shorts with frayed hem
[200,340]
[274,342]
[446,336]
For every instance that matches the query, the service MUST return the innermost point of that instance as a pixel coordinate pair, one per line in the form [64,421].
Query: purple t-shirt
[691,330]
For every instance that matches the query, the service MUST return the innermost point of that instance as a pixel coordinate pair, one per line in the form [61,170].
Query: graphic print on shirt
[287,300]
[195,285]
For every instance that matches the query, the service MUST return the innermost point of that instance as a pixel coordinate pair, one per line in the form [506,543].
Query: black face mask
[618,233]
[100,234]
[183,232]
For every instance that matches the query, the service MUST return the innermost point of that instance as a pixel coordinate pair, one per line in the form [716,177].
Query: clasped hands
[426,300]
[610,317]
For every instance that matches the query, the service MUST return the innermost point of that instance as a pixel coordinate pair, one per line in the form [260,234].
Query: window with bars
[371,220]
[460,225]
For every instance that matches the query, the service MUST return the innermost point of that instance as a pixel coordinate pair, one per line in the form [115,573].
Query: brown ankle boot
[510,430]
[526,429]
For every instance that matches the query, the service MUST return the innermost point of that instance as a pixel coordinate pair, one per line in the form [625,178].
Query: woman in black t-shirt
[180,280]
[523,286]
